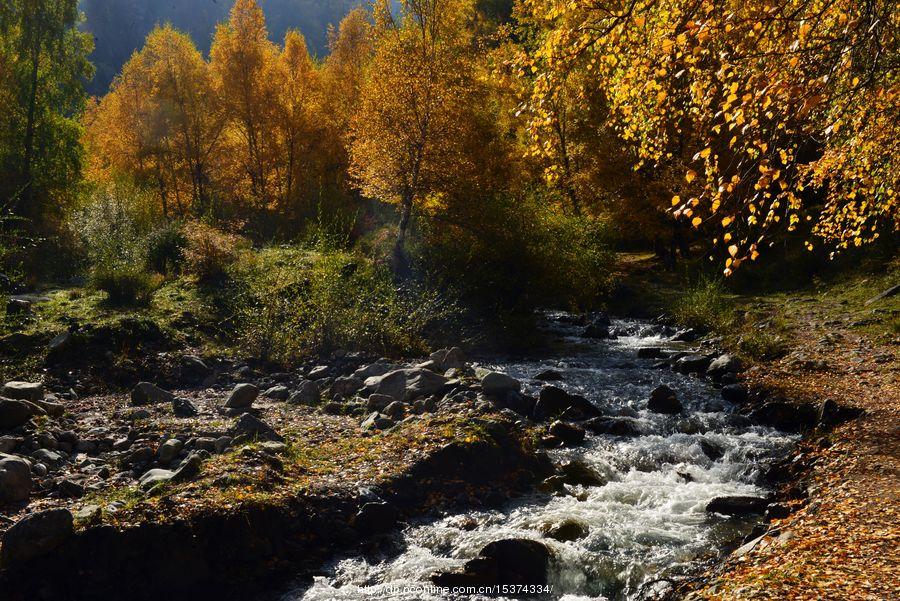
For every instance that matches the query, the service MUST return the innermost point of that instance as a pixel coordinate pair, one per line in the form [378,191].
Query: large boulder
[14,413]
[569,530]
[23,391]
[498,385]
[692,364]
[347,386]
[242,396]
[724,364]
[307,393]
[568,434]
[663,400]
[614,426]
[514,562]
[405,384]
[15,479]
[36,535]
[739,506]
[250,427]
[146,393]
[449,358]
[736,393]
[553,402]
[580,473]
[375,369]
[155,477]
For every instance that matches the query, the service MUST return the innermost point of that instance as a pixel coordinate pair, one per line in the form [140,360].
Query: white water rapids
[647,522]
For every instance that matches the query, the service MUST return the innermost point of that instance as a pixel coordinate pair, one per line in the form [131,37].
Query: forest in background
[488,154]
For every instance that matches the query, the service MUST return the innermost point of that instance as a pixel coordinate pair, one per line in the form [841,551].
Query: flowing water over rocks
[645,521]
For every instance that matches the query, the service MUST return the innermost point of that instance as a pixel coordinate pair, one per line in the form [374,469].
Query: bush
[705,307]
[210,252]
[165,249]
[125,285]
[290,303]
[509,256]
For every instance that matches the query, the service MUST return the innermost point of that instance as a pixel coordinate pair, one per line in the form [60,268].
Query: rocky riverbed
[315,460]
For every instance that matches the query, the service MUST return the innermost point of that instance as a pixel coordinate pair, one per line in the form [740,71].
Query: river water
[646,523]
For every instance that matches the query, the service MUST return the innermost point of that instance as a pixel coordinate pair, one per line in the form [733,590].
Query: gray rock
[242,396]
[155,477]
[182,407]
[405,384]
[319,372]
[511,562]
[567,531]
[23,391]
[308,393]
[190,467]
[194,368]
[377,402]
[554,402]
[35,535]
[712,450]
[17,306]
[249,426]
[376,421]
[663,400]
[60,342]
[15,413]
[736,393]
[446,359]
[692,364]
[496,384]
[9,443]
[578,472]
[277,393]
[169,450]
[15,479]
[396,410]
[69,489]
[724,364]
[569,434]
[53,409]
[146,393]
[549,375]
[376,518]
[346,386]
[375,369]
[785,416]
[47,457]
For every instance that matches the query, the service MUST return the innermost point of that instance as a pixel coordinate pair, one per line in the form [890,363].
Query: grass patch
[705,307]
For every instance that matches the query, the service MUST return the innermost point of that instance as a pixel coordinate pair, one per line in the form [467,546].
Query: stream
[646,523]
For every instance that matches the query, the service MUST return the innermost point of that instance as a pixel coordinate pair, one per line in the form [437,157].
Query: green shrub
[705,307]
[125,285]
[165,249]
[290,303]
[210,252]
[508,256]
[763,345]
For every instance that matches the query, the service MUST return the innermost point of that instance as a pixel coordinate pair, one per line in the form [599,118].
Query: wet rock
[737,506]
[376,518]
[519,561]
[692,364]
[568,434]
[182,407]
[15,413]
[785,416]
[553,484]
[35,535]
[687,335]
[736,393]
[146,393]
[406,384]
[23,391]
[249,427]
[651,352]
[553,402]
[579,473]
[498,385]
[242,396]
[712,450]
[447,359]
[569,530]
[724,364]
[614,426]
[307,393]
[549,375]
[663,400]
[277,393]
[596,331]
[15,479]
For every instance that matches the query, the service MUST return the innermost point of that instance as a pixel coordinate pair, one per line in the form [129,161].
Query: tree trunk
[400,262]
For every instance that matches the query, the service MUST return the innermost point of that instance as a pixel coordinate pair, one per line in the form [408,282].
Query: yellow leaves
[727,221]
[696,222]
[703,154]
[733,250]
[690,176]
[676,200]
[661,96]
[804,29]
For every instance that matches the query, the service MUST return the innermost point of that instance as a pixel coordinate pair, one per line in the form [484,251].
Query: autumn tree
[161,123]
[775,114]
[410,135]
[243,63]
[43,64]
